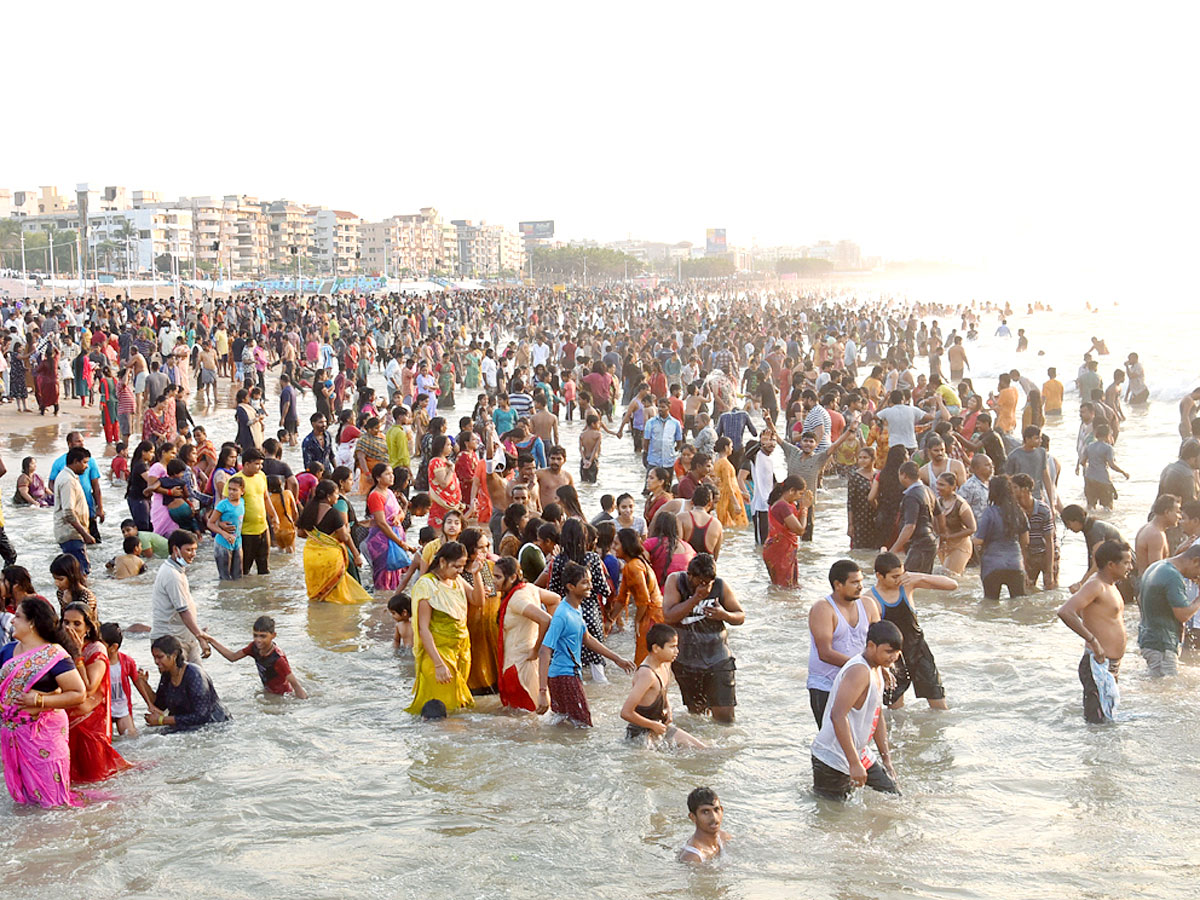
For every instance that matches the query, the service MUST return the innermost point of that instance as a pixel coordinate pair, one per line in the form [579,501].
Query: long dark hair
[791,483]
[321,494]
[890,488]
[666,528]
[631,546]
[169,645]
[572,541]
[513,515]
[569,498]
[1000,495]
[47,625]
[91,628]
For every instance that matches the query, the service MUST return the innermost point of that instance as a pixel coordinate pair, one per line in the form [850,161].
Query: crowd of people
[744,408]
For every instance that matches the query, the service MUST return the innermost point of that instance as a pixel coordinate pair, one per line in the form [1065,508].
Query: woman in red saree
[33,721]
[90,737]
[45,381]
[787,517]
[444,490]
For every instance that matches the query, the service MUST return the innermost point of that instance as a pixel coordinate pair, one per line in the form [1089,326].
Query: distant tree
[804,266]
[708,267]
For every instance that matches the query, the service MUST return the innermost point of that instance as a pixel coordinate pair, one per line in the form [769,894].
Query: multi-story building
[130,240]
[231,234]
[292,234]
[15,204]
[336,241]
[487,250]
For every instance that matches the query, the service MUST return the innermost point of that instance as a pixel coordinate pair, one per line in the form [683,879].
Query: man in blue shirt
[89,481]
[662,437]
[560,687]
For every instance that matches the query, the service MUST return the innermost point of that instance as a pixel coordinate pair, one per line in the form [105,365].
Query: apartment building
[292,234]
[416,245]
[231,234]
[129,240]
[487,250]
[336,234]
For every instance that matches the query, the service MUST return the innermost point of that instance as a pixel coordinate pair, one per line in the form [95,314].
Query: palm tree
[125,234]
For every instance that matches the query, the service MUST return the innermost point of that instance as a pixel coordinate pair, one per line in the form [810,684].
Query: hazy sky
[963,131]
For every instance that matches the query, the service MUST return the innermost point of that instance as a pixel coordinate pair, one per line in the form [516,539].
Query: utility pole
[24,271]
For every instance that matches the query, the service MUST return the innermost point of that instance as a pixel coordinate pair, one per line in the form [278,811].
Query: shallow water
[1007,793]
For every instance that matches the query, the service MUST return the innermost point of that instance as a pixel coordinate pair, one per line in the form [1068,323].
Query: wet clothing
[704,668]
[916,665]
[655,711]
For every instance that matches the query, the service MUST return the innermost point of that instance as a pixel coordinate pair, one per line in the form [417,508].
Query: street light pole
[24,270]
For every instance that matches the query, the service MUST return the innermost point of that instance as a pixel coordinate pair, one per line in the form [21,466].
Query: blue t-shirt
[565,638]
[85,480]
[231,516]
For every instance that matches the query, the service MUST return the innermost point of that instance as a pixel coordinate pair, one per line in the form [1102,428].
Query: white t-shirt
[120,703]
[168,600]
[902,425]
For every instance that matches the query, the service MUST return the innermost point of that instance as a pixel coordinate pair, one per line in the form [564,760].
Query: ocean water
[1008,793]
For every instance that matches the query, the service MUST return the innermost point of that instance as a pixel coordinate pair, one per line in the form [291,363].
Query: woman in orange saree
[639,583]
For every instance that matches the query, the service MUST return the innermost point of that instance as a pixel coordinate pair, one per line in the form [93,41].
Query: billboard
[715,241]
[537,230]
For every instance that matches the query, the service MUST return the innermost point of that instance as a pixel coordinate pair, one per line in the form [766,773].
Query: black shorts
[702,689]
[830,783]
[916,667]
[818,700]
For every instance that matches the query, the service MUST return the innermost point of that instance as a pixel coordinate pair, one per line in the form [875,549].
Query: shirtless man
[137,365]
[551,478]
[543,422]
[957,357]
[698,526]
[1096,613]
[497,488]
[1189,406]
[940,462]
[206,359]
[1151,543]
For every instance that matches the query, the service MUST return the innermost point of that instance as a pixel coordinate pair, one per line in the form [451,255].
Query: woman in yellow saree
[328,548]
[442,645]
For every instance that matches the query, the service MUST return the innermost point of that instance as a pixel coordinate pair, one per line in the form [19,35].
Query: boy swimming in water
[707,814]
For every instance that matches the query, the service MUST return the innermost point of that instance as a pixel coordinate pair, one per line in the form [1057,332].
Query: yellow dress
[731,512]
[484,630]
[448,628]
[325,575]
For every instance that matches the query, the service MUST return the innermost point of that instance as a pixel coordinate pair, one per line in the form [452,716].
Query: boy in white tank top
[841,756]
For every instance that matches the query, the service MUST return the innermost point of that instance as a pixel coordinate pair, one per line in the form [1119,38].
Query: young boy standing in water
[707,814]
[273,668]
[560,687]
[894,589]
[647,709]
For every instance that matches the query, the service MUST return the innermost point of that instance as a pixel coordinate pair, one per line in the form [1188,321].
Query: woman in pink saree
[33,719]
